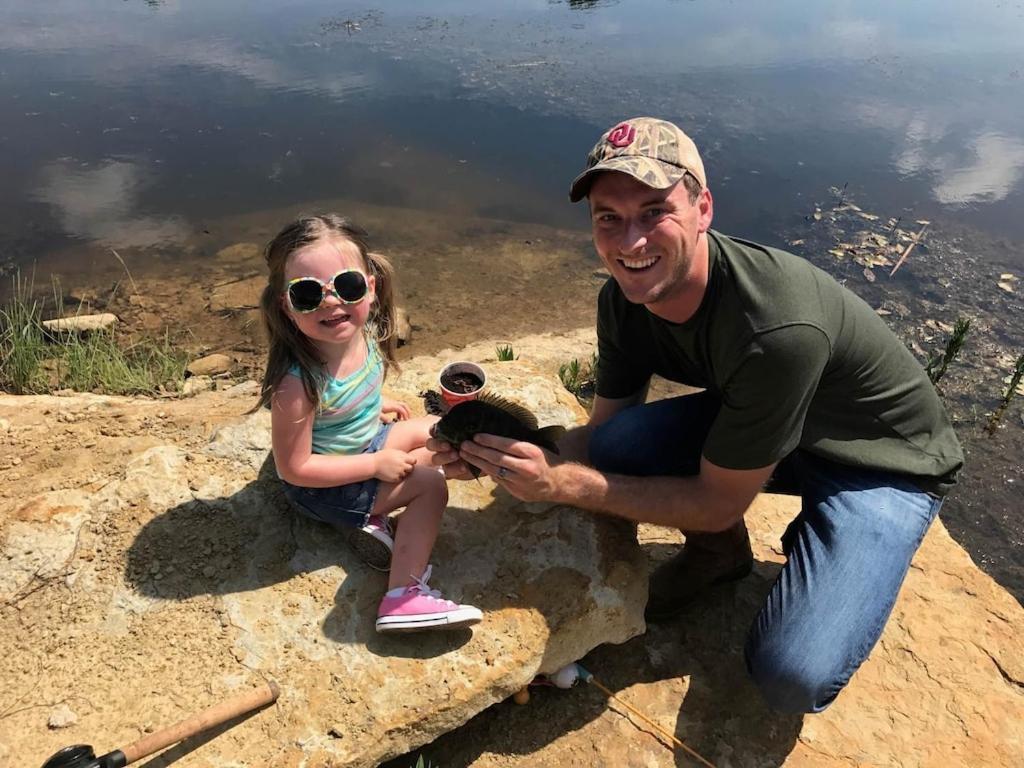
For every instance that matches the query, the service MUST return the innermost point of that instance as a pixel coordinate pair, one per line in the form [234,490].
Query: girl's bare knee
[430,482]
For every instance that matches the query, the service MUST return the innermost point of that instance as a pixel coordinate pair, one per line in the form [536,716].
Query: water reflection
[101,205]
[992,173]
[246,106]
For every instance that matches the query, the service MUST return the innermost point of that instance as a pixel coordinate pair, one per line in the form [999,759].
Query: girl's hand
[397,407]
[392,465]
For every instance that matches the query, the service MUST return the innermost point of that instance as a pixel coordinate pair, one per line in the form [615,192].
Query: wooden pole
[208,718]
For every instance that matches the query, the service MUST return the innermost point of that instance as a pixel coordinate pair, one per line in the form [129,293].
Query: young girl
[330,317]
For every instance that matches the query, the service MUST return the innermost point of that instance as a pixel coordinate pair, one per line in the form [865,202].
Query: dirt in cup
[461,383]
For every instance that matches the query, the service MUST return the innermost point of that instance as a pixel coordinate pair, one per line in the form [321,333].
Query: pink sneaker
[374,542]
[420,607]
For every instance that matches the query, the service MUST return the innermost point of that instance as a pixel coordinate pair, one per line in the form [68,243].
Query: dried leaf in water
[1006,286]
[796,242]
[839,253]
[868,216]
[869,274]
[817,215]
[1008,276]
[882,312]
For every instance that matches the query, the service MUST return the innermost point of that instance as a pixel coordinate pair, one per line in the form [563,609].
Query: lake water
[134,124]
[169,130]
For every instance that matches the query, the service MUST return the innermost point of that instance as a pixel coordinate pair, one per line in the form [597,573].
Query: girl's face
[333,323]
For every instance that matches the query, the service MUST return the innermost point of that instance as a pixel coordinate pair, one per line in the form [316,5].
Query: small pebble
[62,717]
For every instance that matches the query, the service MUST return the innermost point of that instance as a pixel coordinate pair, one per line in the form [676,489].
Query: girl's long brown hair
[288,345]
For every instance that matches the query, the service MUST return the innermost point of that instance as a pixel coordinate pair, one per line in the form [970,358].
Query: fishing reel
[84,756]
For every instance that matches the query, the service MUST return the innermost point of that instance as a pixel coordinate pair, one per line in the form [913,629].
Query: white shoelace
[425,590]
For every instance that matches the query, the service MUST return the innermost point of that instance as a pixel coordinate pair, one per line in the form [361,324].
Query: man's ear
[706,207]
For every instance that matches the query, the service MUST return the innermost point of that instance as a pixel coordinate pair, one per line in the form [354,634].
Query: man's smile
[636,265]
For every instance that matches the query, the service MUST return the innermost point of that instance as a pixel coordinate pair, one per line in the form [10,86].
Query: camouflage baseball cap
[655,152]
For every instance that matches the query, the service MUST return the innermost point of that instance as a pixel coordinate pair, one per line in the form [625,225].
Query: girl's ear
[371,288]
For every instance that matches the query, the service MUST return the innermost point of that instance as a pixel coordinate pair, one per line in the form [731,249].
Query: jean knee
[787,682]
[609,447]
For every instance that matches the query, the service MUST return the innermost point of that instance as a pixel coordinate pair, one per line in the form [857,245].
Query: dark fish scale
[494,415]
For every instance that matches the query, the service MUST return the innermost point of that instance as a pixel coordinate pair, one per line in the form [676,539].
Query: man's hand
[397,408]
[446,457]
[525,470]
[393,465]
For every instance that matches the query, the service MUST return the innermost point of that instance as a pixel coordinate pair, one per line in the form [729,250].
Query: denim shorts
[343,506]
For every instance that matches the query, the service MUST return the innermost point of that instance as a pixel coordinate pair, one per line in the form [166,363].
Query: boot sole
[670,613]
[371,550]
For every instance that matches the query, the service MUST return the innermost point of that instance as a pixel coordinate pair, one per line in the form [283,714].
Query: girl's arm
[291,420]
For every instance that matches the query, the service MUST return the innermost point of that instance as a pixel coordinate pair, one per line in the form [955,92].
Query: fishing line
[570,674]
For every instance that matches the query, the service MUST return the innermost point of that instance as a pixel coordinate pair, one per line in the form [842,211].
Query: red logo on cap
[621,135]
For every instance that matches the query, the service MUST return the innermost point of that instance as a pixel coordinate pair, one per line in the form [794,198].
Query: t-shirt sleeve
[619,373]
[766,398]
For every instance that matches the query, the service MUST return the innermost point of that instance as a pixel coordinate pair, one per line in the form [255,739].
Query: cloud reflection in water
[101,204]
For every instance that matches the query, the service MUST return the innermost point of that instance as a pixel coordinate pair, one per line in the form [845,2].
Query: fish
[494,415]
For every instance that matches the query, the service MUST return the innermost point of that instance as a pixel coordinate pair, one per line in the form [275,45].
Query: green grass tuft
[579,378]
[504,353]
[33,361]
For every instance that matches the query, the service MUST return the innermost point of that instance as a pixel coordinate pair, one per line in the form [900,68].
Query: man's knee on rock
[789,683]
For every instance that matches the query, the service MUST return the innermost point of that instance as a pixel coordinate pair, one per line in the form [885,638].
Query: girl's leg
[424,494]
[411,434]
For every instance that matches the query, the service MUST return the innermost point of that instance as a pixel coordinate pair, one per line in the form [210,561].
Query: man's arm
[711,501]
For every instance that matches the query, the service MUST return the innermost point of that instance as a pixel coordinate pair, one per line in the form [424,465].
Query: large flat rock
[149,569]
[164,571]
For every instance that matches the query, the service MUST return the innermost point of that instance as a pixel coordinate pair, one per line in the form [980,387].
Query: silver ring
[502,473]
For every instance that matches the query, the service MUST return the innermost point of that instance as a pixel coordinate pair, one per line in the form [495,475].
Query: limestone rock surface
[147,570]
[160,570]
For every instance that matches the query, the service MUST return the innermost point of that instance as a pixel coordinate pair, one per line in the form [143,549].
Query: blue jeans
[848,550]
[341,506]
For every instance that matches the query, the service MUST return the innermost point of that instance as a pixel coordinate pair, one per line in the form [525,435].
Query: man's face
[650,239]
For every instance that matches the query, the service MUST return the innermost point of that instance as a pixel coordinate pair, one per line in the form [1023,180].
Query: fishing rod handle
[208,718]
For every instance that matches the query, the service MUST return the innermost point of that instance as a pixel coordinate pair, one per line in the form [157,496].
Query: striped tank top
[349,414]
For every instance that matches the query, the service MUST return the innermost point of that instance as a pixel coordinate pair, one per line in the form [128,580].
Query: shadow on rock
[722,715]
[227,545]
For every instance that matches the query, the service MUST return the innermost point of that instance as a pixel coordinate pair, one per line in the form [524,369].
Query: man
[804,389]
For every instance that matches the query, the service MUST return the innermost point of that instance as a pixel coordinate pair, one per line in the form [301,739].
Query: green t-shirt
[796,359]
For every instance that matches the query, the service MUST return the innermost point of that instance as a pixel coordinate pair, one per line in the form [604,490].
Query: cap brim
[646,170]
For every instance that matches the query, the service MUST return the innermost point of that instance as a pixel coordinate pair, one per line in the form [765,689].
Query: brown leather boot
[705,560]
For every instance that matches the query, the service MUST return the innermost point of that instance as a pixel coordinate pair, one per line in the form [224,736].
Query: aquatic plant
[936,367]
[34,360]
[1008,395]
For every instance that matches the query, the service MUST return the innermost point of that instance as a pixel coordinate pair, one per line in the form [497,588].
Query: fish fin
[510,407]
[549,437]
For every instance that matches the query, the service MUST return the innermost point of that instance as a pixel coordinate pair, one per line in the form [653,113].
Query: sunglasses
[306,294]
